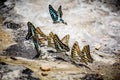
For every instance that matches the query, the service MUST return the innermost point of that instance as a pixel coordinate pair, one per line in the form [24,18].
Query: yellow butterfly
[86,51]
[39,31]
[59,45]
[76,52]
[50,40]
[40,34]
[65,39]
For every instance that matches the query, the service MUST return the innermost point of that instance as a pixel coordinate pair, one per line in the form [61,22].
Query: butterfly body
[84,55]
[56,15]
[59,46]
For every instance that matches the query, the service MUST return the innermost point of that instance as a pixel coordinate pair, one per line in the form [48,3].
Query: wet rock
[1,20]
[2,1]
[27,78]
[116,68]
[27,75]
[5,8]
[4,68]
[11,75]
[9,72]
[23,50]
[19,35]
[12,25]
[1,75]
[27,71]
[20,50]
[92,77]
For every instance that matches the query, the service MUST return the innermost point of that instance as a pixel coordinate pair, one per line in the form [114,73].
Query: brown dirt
[5,38]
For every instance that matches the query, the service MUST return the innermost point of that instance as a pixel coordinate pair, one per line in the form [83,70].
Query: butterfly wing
[40,40]
[53,13]
[36,43]
[34,39]
[65,39]
[60,47]
[40,32]
[60,13]
[86,51]
[29,34]
[75,50]
[50,40]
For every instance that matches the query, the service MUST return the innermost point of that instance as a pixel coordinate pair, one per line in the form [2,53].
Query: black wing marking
[53,13]
[86,51]
[29,34]
[60,13]
[60,47]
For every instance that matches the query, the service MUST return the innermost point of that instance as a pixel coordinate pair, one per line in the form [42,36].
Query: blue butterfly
[31,33]
[56,15]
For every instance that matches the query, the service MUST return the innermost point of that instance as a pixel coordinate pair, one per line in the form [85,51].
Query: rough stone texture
[93,22]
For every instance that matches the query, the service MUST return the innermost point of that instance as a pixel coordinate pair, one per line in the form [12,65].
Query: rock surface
[92,22]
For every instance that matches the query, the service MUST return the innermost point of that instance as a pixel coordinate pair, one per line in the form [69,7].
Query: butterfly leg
[64,22]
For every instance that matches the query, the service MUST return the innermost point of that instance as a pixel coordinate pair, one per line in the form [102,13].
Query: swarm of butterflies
[61,45]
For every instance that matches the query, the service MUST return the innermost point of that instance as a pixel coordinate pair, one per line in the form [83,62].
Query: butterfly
[40,36]
[40,32]
[56,15]
[31,33]
[64,40]
[84,55]
[59,45]
[76,53]
[86,51]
